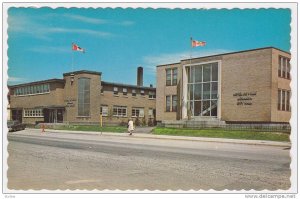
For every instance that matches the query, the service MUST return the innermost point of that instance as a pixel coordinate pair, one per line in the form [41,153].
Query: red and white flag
[75,47]
[196,43]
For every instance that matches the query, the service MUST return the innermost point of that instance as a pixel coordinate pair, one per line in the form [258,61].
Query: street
[75,161]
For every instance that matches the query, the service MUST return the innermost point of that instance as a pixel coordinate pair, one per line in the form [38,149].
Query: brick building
[251,86]
[80,97]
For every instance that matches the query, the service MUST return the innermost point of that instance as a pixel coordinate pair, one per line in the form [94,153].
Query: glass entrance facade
[202,93]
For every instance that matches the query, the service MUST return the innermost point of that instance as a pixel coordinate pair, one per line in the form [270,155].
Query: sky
[117,41]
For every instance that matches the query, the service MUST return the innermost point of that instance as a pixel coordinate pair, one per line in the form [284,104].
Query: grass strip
[221,133]
[114,129]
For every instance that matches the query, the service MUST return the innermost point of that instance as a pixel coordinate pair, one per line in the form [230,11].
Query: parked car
[15,125]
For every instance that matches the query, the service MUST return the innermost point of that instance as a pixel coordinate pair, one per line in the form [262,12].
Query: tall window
[202,89]
[83,97]
[168,103]
[174,76]
[171,76]
[283,100]
[171,103]
[174,103]
[168,77]
[284,67]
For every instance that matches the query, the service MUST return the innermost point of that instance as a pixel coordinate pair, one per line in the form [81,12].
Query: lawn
[221,133]
[116,129]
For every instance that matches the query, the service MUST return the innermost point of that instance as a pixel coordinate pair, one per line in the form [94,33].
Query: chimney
[140,76]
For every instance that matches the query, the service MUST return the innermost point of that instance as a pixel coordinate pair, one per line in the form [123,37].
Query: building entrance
[53,115]
[202,89]
[16,114]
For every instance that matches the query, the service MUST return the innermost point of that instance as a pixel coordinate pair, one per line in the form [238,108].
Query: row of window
[171,103]
[34,89]
[284,100]
[121,111]
[133,92]
[171,76]
[33,113]
[284,67]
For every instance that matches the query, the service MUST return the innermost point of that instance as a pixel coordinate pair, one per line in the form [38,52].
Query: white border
[294,76]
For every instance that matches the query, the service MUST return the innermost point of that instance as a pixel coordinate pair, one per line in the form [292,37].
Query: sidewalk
[168,137]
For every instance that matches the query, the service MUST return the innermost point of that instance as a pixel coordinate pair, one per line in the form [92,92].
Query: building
[80,97]
[251,86]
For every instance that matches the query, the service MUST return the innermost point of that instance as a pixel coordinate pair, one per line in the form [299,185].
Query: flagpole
[72,58]
[190,72]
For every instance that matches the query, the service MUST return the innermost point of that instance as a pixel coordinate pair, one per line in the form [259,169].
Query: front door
[53,115]
[16,114]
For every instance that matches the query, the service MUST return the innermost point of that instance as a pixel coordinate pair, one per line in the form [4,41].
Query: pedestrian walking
[130,127]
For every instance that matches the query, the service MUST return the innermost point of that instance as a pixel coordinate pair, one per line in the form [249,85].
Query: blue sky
[117,41]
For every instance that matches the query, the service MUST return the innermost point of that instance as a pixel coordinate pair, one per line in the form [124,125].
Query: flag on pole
[196,43]
[75,47]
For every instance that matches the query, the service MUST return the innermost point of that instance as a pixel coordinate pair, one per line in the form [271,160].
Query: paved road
[68,161]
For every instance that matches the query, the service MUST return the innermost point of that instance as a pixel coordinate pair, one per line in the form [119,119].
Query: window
[137,112]
[133,92]
[168,77]
[279,100]
[168,103]
[116,91]
[142,92]
[124,91]
[152,95]
[174,103]
[284,67]
[120,111]
[84,97]
[31,90]
[150,113]
[283,101]
[33,113]
[174,76]
[171,76]
[288,108]
[202,89]
[104,110]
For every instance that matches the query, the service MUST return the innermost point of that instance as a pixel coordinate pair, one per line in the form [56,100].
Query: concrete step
[204,122]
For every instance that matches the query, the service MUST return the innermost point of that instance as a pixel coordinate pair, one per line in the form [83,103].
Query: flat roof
[82,71]
[242,51]
[37,82]
[127,85]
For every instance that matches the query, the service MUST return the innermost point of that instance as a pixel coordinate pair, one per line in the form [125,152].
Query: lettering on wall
[70,102]
[244,98]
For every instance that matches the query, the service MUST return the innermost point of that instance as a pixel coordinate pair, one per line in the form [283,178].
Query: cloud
[86,19]
[150,62]
[27,25]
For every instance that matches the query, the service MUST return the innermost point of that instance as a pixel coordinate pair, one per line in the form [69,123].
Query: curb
[168,137]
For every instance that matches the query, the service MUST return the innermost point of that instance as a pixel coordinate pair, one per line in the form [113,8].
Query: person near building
[130,127]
